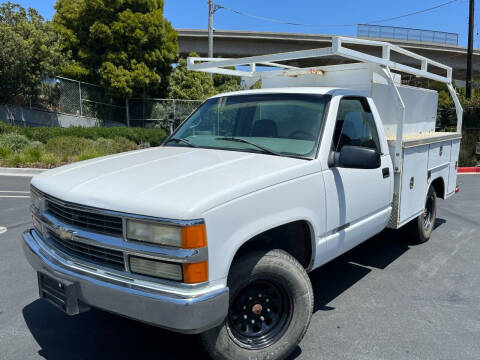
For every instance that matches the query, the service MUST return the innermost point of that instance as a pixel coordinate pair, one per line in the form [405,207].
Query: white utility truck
[215,231]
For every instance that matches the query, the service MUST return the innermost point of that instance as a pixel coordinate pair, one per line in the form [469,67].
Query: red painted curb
[472,169]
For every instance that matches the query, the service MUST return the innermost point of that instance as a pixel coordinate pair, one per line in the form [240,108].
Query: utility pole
[470,49]
[211,11]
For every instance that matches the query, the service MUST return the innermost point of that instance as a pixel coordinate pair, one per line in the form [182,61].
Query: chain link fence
[71,97]
[165,113]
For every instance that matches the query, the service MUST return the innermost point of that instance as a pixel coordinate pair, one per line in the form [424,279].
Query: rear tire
[421,228]
[271,304]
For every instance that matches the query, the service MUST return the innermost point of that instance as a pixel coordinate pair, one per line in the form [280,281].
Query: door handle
[386,172]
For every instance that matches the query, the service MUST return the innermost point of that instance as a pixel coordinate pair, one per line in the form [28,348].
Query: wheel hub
[257,309]
[259,313]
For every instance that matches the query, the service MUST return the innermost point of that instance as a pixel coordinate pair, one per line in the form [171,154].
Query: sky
[329,17]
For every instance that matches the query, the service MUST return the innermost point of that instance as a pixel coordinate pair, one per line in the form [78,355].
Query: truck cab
[215,231]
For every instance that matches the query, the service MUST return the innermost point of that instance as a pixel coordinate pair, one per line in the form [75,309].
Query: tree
[194,85]
[190,85]
[446,101]
[127,46]
[226,83]
[29,51]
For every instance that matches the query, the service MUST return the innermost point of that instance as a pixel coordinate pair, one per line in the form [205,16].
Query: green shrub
[33,153]
[137,135]
[4,152]
[50,160]
[68,146]
[14,142]
[468,155]
[115,145]
[49,147]
[89,154]
[467,158]
[15,160]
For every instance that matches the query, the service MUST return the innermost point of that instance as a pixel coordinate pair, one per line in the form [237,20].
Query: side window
[355,125]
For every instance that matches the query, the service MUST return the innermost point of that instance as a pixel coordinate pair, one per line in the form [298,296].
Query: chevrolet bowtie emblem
[63,233]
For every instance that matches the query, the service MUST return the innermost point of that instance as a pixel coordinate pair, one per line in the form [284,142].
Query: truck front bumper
[181,312]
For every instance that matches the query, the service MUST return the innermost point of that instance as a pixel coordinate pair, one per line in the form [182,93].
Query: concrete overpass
[249,43]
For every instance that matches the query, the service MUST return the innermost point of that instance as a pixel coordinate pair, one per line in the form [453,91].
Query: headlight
[187,237]
[37,200]
[154,233]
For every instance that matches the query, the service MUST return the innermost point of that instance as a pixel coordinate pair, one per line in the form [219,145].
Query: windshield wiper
[182,140]
[263,148]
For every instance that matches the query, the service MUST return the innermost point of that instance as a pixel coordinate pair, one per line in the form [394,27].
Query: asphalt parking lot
[386,299]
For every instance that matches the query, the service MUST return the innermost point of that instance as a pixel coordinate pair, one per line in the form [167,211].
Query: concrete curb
[20,171]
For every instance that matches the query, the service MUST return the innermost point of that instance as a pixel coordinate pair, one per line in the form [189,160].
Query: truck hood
[169,182]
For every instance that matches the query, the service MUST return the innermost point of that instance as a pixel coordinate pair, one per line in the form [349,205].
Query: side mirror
[356,157]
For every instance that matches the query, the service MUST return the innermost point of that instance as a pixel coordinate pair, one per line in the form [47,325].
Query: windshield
[276,124]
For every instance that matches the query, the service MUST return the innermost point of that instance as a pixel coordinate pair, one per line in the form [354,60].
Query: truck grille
[90,253]
[84,219]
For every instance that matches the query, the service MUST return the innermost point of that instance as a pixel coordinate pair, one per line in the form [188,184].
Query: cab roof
[317,90]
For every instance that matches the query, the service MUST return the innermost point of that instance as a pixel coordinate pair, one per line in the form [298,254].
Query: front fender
[231,225]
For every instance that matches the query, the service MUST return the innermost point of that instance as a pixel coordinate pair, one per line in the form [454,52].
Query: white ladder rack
[220,66]
[217,65]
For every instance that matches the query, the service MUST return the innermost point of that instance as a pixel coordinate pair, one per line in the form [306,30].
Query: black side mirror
[357,157]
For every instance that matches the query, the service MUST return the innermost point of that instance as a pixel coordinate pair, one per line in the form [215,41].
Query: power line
[413,13]
[238,12]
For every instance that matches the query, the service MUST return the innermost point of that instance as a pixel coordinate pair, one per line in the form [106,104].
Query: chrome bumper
[181,312]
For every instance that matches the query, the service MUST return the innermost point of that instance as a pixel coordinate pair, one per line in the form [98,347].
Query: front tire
[271,304]
[421,228]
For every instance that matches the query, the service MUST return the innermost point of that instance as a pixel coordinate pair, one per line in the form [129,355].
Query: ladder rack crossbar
[214,65]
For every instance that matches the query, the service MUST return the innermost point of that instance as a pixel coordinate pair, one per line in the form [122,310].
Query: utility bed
[424,157]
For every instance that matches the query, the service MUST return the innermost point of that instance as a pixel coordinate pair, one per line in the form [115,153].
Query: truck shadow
[97,334]
[332,279]
[101,335]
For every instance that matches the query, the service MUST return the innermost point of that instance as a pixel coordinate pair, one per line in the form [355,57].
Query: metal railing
[399,33]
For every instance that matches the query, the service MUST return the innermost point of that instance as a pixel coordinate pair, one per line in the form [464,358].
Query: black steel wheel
[429,211]
[259,313]
[421,228]
[271,303]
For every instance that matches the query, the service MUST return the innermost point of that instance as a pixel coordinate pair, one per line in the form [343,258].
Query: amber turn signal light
[195,273]
[194,237]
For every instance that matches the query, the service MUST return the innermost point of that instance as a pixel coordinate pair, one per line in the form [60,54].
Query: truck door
[358,200]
